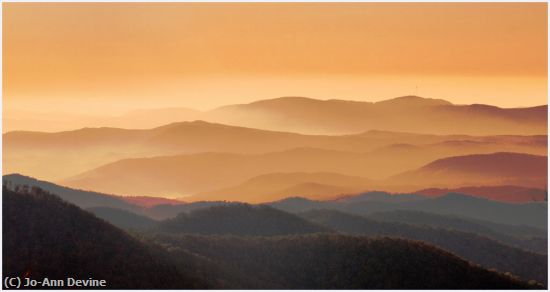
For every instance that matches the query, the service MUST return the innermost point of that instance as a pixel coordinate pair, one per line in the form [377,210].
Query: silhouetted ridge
[414,100]
[81,198]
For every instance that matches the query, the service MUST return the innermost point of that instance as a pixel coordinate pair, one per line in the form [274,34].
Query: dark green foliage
[325,261]
[44,236]
[475,248]
[524,237]
[239,219]
[123,219]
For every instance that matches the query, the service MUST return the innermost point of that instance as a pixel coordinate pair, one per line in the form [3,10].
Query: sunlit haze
[109,58]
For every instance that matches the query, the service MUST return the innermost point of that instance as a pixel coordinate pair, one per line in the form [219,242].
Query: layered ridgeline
[460,222]
[241,219]
[528,214]
[192,261]
[405,114]
[76,151]
[313,173]
[307,115]
[531,214]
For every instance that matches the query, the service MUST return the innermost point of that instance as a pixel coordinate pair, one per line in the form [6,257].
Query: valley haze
[308,146]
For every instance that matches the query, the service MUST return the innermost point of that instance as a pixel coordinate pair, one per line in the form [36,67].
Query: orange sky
[112,57]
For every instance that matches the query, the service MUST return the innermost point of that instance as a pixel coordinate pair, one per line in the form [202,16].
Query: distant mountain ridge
[77,151]
[494,169]
[406,114]
[333,116]
[235,174]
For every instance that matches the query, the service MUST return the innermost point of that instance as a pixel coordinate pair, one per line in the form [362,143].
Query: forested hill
[44,236]
[239,219]
[333,261]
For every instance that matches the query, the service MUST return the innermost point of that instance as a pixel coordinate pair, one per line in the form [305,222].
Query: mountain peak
[413,99]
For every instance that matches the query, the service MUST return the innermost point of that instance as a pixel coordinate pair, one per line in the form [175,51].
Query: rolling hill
[531,239]
[513,194]
[475,248]
[530,214]
[276,186]
[80,150]
[259,178]
[45,237]
[480,169]
[308,115]
[184,175]
[239,219]
[331,261]
[404,114]
[162,260]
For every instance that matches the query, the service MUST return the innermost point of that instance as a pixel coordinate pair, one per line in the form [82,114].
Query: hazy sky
[111,57]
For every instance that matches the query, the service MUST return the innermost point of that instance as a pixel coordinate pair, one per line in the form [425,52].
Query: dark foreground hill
[473,247]
[332,261]
[239,219]
[44,236]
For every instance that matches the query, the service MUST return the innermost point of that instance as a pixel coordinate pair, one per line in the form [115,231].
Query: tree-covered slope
[332,261]
[478,249]
[239,219]
[44,236]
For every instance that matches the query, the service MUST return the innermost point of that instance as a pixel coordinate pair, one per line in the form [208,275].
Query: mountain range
[80,150]
[276,175]
[405,114]
[285,193]
[177,261]
[333,117]
[524,216]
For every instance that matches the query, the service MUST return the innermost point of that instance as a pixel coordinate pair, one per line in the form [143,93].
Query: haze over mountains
[80,150]
[307,115]
[188,174]
[199,160]
[405,114]
[325,178]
